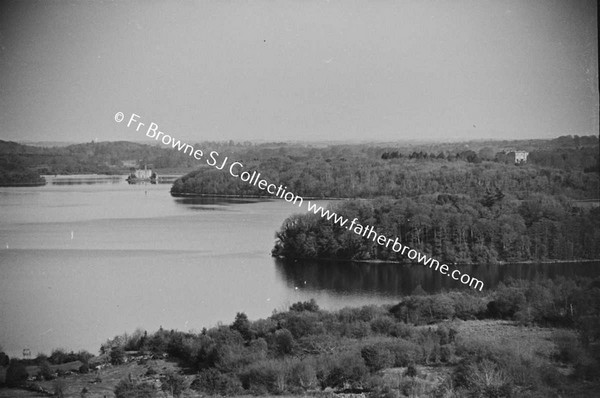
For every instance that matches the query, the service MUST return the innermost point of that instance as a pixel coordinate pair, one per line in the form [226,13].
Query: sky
[309,70]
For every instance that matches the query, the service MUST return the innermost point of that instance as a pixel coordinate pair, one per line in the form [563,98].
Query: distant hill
[23,164]
[13,171]
[372,170]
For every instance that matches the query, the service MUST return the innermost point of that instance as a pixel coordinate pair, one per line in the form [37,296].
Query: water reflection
[84,180]
[399,280]
[196,201]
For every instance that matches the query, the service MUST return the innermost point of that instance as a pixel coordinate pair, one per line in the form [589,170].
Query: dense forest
[451,228]
[15,178]
[425,345]
[363,171]
[461,203]
[461,209]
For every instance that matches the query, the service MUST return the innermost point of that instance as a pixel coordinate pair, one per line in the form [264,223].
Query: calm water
[84,260]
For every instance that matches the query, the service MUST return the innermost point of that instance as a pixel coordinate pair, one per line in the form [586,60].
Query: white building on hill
[521,156]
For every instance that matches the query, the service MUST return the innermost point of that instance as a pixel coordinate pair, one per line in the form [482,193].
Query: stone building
[521,156]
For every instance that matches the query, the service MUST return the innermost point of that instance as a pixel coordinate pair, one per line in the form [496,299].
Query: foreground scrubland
[526,339]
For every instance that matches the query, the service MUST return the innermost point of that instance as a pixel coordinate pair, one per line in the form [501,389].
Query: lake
[83,259]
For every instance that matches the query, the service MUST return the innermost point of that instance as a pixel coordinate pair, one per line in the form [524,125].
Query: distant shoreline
[210,195]
[23,184]
[526,262]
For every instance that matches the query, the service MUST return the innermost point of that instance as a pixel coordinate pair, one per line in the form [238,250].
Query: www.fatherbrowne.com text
[235,169]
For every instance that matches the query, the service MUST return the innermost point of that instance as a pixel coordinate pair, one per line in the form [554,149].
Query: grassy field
[530,342]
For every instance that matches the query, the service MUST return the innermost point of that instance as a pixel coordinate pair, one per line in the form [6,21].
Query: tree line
[354,175]
[459,210]
[450,228]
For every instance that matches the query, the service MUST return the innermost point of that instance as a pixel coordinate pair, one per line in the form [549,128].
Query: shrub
[84,356]
[485,349]
[176,346]
[430,345]
[525,316]
[224,335]
[347,371]
[494,369]
[117,341]
[446,389]
[156,344]
[85,368]
[117,355]
[301,323]
[411,371]
[568,347]
[380,389]
[353,329]
[318,344]
[403,330]
[284,342]
[58,356]
[151,371]
[589,328]
[231,358]
[59,388]
[383,325]
[356,330]
[424,309]
[508,300]
[45,370]
[365,314]
[136,340]
[415,387]
[264,377]
[303,374]
[377,357]
[174,384]
[485,378]
[207,355]
[446,333]
[242,325]
[405,352]
[369,312]
[4,359]
[587,368]
[213,382]
[134,389]
[440,307]
[468,306]
[305,306]
[263,327]
[447,353]
[16,374]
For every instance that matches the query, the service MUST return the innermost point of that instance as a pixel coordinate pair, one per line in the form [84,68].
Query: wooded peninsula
[457,204]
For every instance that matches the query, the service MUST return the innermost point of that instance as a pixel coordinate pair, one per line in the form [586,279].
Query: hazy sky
[299,70]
